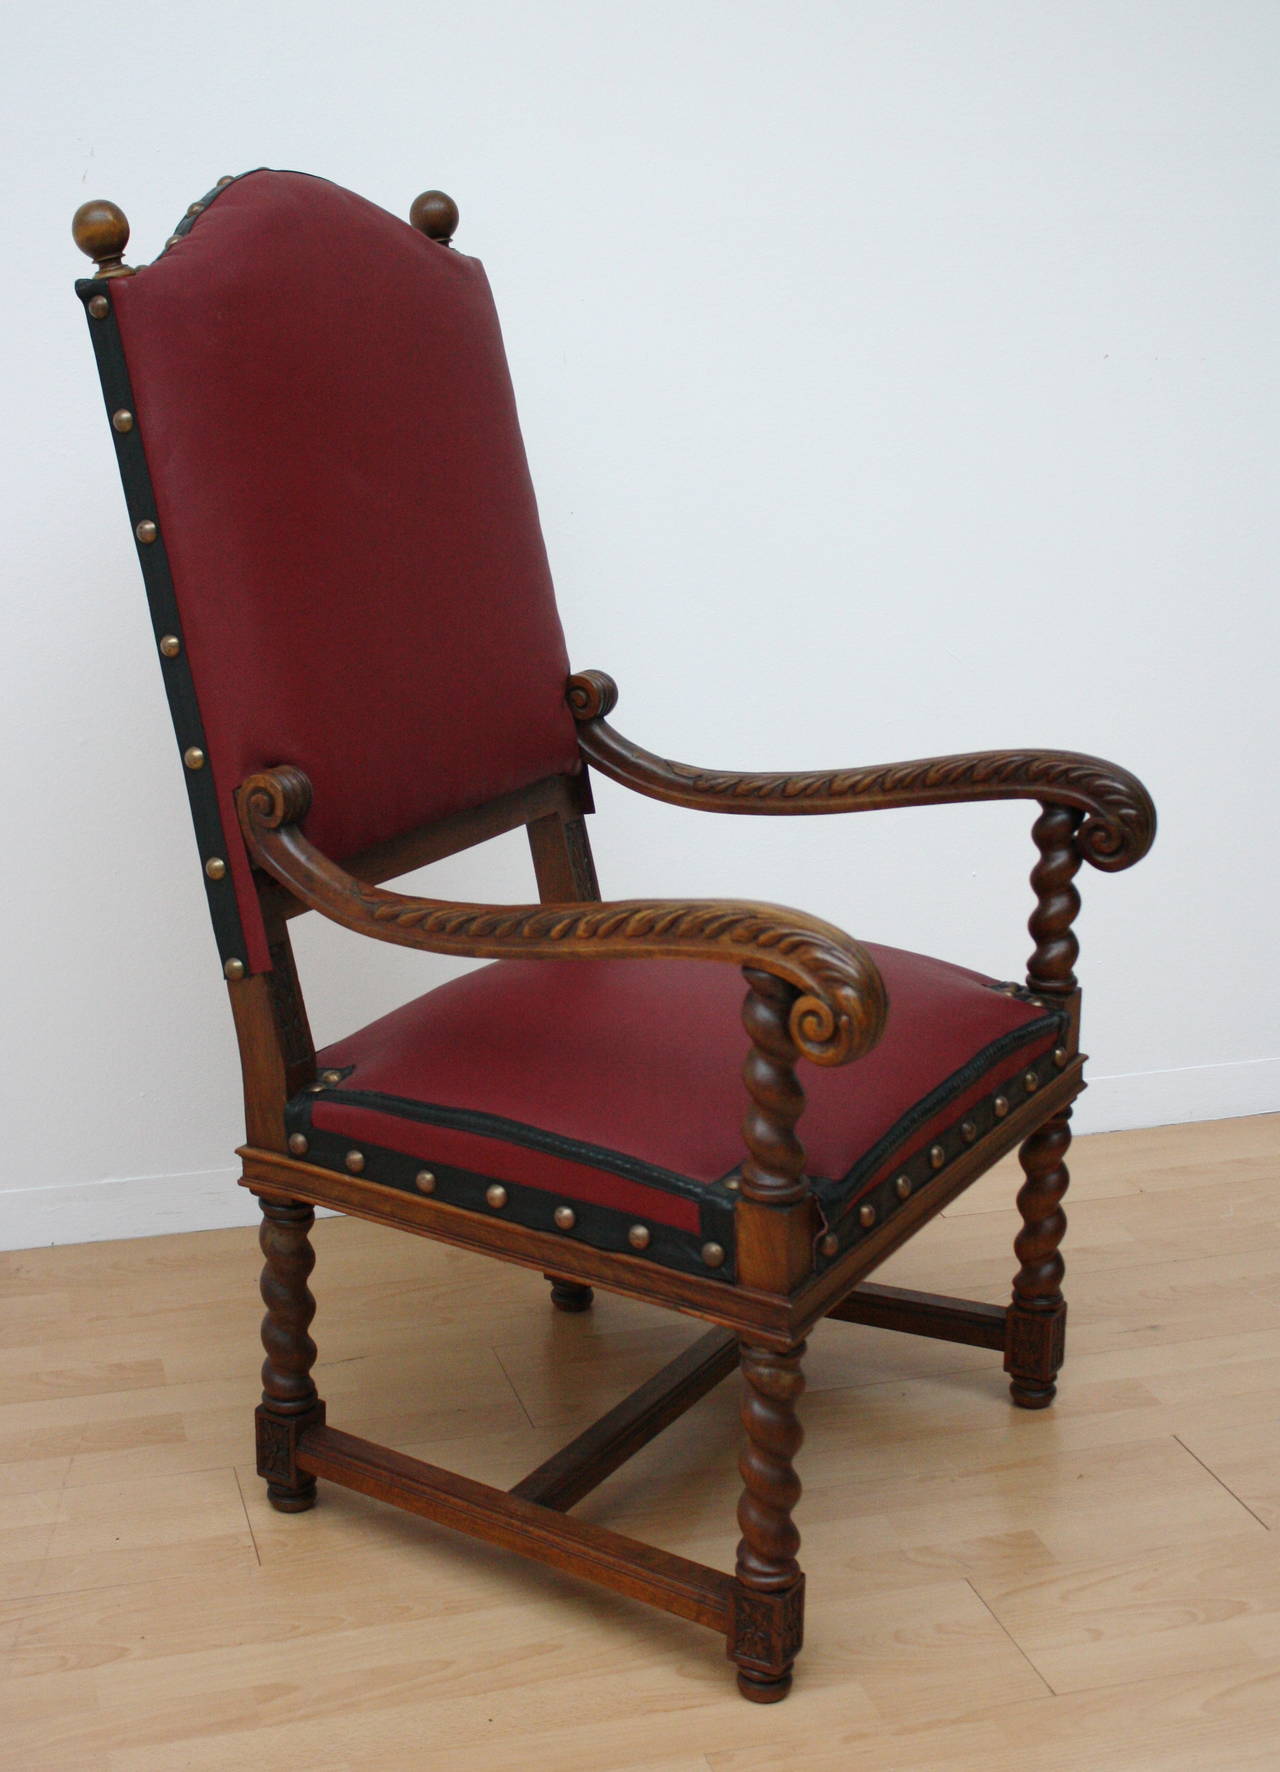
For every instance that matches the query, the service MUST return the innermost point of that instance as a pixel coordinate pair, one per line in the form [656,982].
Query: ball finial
[435,215]
[101,231]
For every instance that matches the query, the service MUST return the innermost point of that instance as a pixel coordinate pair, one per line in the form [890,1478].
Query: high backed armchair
[355,623]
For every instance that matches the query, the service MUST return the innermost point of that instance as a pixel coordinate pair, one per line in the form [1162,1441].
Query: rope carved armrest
[837,1002]
[1118,827]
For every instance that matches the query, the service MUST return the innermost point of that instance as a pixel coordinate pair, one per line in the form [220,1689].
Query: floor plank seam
[514,1392]
[1209,1471]
[1049,1690]
[253,1538]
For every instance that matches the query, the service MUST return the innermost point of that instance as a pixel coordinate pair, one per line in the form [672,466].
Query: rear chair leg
[1035,1328]
[767,1618]
[569,1295]
[289,1400]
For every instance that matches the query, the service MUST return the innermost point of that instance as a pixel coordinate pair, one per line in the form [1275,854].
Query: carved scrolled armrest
[838,1014]
[1119,822]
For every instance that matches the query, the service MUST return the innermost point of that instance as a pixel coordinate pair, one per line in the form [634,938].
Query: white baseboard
[1167,1098]
[209,1199]
[138,1206]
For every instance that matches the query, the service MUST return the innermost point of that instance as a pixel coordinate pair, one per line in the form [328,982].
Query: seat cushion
[614,1087]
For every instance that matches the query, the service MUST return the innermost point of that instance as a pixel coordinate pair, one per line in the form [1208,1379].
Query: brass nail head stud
[713,1254]
[425,1181]
[331,1077]
[145,531]
[234,970]
[1001,1105]
[172,241]
[195,209]
[226,179]
[830,1244]
[122,419]
[866,1216]
[937,1156]
[355,1162]
[902,1187]
[968,1130]
[193,757]
[99,307]
[638,1236]
[170,645]
[1030,1082]
[565,1217]
[1060,1056]
[496,1195]
[216,868]
[298,1143]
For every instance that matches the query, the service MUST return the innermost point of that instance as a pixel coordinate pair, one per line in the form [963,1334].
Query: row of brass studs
[195,209]
[830,1244]
[147,532]
[639,1236]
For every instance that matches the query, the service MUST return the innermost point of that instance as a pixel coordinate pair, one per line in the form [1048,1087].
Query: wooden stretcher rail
[673,1584]
[577,1468]
[923,1313]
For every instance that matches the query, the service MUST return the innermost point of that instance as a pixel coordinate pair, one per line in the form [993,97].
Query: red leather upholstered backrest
[342,493]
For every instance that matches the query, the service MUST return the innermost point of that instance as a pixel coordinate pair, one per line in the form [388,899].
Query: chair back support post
[277,1053]
[561,849]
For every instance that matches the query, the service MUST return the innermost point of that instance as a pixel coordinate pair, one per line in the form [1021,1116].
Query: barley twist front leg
[289,1400]
[768,1608]
[1035,1329]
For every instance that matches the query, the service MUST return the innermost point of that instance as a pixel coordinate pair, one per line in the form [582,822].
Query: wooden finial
[435,215]
[101,231]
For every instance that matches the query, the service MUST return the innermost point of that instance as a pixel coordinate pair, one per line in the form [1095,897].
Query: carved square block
[1035,1342]
[277,1443]
[766,1630]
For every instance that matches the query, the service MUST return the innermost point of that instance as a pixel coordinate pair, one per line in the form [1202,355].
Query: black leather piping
[533,1138]
[602,1227]
[841,1202]
[924,1110]
[140,499]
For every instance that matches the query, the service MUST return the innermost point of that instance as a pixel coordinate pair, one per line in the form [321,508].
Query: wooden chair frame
[812,992]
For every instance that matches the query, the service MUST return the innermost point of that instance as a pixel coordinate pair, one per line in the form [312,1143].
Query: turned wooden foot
[569,1295]
[767,1619]
[289,1401]
[1035,1328]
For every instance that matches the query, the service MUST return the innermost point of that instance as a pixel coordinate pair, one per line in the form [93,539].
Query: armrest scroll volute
[838,1014]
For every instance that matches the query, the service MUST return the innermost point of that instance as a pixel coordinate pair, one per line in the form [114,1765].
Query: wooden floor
[1096,1587]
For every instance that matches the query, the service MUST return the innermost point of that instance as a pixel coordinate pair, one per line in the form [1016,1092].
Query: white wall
[897,378]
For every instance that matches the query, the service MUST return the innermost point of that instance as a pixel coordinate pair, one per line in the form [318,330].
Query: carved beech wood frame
[812,992]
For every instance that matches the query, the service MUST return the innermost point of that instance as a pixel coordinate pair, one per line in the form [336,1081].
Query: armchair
[355,623]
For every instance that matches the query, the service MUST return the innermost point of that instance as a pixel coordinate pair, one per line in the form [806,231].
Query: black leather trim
[602,1227]
[841,1202]
[924,1110]
[188,221]
[153,559]
[533,1138]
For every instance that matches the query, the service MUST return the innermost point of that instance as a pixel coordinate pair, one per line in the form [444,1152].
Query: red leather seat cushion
[619,1082]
